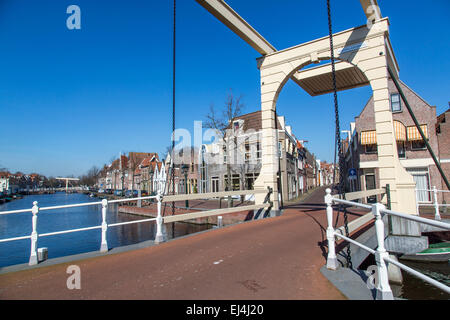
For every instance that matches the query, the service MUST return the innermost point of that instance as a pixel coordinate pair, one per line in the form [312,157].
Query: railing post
[34,235]
[437,216]
[332,262]
[104,244]
[159,221]
[384,291]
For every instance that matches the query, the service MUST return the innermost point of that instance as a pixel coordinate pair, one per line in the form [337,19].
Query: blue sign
[352,173]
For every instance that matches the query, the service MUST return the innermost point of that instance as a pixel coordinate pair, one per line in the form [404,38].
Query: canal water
[414,288]
[19,224]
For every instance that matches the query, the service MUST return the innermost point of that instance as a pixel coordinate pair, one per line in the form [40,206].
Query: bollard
[159,221]
[332,262]
[384,291]
[219,222]
[34,235]
[42,254]
[104,244]
[437,216]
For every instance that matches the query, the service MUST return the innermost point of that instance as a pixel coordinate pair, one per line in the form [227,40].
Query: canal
[19,224]
[413,288]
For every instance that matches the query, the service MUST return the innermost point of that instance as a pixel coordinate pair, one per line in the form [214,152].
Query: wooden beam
[201,214]
[224,13]
[194,196]
[371,9]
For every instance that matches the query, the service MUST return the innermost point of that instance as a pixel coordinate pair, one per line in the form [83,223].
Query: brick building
[361,151]
[443,138]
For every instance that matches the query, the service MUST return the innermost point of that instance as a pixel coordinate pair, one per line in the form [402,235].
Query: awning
[400,131]
[414,135]
[368,137]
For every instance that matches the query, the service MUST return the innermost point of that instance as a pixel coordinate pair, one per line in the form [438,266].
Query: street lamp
[184,170]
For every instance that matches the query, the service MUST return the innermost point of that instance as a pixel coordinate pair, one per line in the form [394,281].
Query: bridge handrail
[361,194]
[384,291]
[433,223]
[207,195]
[159,219]
[435,203]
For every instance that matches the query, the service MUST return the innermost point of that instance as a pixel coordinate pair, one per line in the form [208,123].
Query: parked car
[130,194]
[118,192]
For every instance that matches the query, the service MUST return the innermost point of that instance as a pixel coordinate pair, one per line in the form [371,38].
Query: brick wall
[425,114]
[443,137]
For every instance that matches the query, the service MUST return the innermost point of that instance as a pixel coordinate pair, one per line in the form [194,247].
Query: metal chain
[173,106]
[341,189]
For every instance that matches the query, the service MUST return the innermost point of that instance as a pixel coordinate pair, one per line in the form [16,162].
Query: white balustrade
[384,291]
[159,221]
[437,216]
[34,235]
[104,244]
[332,262]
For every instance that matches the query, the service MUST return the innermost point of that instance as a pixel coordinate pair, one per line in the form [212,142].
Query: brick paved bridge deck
[274,258]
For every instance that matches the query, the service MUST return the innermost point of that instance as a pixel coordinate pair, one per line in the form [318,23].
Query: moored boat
[438,252]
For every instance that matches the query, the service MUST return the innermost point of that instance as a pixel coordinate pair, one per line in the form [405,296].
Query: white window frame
[399,103]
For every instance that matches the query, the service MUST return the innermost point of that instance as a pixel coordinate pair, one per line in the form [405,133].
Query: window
[418,145]
[215,184]
[224,154]
[421,178]
[370,185]
[236,126]
[235,182]
[395,103]
[401,150]
[247,152]
[258,150]
[250,180]
[371,148]
[280,148]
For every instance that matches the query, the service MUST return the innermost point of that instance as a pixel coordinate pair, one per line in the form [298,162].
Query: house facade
[240,153]
[4,182]
[443,138]
[361,150]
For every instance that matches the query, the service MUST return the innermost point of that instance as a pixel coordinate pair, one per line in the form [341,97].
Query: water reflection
[417,289]
[14,225]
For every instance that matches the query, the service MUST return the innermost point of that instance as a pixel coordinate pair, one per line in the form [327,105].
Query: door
[370,185]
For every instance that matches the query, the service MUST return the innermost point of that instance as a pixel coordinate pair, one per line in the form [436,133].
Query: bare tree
[221,121]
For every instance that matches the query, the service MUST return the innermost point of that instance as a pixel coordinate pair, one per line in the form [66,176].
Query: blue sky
[70,99]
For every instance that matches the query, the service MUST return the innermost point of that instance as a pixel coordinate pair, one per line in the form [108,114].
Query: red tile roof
[252,120]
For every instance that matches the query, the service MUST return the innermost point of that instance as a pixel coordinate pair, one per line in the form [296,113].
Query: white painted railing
[378,210]
[435,203]
[159,237]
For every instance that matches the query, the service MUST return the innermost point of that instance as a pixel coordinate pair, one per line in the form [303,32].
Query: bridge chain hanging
[341,186]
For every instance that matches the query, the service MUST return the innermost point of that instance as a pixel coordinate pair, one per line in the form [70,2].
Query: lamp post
[184,170]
